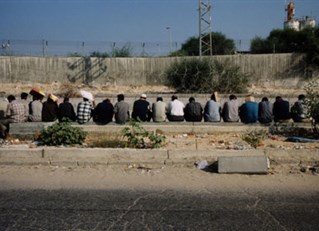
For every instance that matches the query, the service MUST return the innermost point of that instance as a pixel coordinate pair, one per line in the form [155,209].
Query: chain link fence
[52,48]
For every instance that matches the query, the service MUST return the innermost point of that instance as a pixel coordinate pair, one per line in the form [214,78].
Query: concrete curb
[103,156]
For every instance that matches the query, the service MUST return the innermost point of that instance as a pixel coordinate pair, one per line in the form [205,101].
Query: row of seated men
[249,112]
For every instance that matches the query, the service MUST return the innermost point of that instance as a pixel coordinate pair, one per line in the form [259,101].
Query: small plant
[255,137]
[138,137]
[62,134]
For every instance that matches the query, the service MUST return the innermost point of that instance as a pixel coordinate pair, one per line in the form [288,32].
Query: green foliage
[62,134]
[99,54]
[191,75]
[255,137]
[138,137]
[203,76]
[288,41]
[312,103]
[228,78]
[125,51]
[220,44]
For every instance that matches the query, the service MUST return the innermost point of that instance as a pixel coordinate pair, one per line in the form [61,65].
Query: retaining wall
[270,69]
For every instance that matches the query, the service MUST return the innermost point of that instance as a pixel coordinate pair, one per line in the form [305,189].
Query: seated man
[281,110]
[265,108]
[121,110]
[212,110]
[15,113]
[50,109]
[230,110]
[299,110]
[84,110]
[141,109]
[248,111]
[193,111]
[103,112]
[175,110]
[159,110]
[66,111]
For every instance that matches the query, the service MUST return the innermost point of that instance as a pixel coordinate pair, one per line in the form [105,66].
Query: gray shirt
[212,111]
[230,111]
[159,111]
[35,111]
[121,112]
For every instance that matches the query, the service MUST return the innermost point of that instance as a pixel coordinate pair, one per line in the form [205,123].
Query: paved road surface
[156,210]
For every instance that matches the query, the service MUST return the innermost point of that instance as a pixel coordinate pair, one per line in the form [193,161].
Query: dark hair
[66,99]
[159,99]
[278,98]
[120,97]
[24,95]
[213,97]
[191,99]
[264,99]
[301,97]
[232,97]
[174,97]
[11,97]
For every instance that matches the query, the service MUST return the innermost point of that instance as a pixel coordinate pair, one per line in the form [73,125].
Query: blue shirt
[248,112]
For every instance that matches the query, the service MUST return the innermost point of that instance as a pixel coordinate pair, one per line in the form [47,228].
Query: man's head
[159,99]
[191,99]
[24,95]
[143,97]
[301,97]
[120,97]
[11,98]
[231,97]
[174,97]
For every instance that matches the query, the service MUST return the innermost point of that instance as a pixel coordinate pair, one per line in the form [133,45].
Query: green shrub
[255,137]
[138,137]
[204,76]
[62,134]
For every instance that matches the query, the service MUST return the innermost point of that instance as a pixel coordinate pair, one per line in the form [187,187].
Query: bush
[203,76]
[255,137]
[138,137]
[62,134]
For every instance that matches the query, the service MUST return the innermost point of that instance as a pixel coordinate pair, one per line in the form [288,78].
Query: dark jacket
[49,111]
[248,112]
[141,110]
[66,111]
[103,113]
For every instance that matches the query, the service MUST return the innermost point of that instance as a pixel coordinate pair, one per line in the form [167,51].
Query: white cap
[143,96]
[87,95]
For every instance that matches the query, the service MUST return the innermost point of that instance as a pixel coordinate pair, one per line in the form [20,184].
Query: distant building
[297,24]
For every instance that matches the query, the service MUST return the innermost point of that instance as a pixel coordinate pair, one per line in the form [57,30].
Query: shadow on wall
[89,69]
[299,67]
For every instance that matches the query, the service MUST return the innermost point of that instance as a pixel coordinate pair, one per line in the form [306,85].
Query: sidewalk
[23,155]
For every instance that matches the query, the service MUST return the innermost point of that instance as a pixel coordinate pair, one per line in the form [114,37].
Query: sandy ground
[165,177]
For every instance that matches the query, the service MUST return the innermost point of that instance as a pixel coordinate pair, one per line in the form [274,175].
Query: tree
[288,41]
[220,44]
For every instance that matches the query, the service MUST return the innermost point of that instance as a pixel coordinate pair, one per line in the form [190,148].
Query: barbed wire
[64,48]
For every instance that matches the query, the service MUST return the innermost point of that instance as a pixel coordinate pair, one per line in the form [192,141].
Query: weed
[138,137]
[255,137]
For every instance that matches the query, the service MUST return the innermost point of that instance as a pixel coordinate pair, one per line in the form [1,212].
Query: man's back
[121,112]
[159,111]
[230,111]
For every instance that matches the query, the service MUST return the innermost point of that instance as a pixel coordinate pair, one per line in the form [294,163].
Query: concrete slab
[243,164]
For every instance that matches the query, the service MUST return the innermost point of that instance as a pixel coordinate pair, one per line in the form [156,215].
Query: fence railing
[43,48]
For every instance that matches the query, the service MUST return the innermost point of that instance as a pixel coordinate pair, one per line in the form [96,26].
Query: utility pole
[205,28]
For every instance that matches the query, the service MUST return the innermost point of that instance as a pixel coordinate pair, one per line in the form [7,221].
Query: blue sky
[141,20]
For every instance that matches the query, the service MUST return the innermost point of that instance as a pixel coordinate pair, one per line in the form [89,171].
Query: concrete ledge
[28,129]
[243,164]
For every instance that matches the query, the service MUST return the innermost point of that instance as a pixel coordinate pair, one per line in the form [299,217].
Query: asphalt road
[156,210]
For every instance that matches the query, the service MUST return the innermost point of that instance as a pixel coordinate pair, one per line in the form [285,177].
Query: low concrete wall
[270,69]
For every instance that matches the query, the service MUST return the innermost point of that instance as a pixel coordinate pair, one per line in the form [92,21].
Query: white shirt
[176,108]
